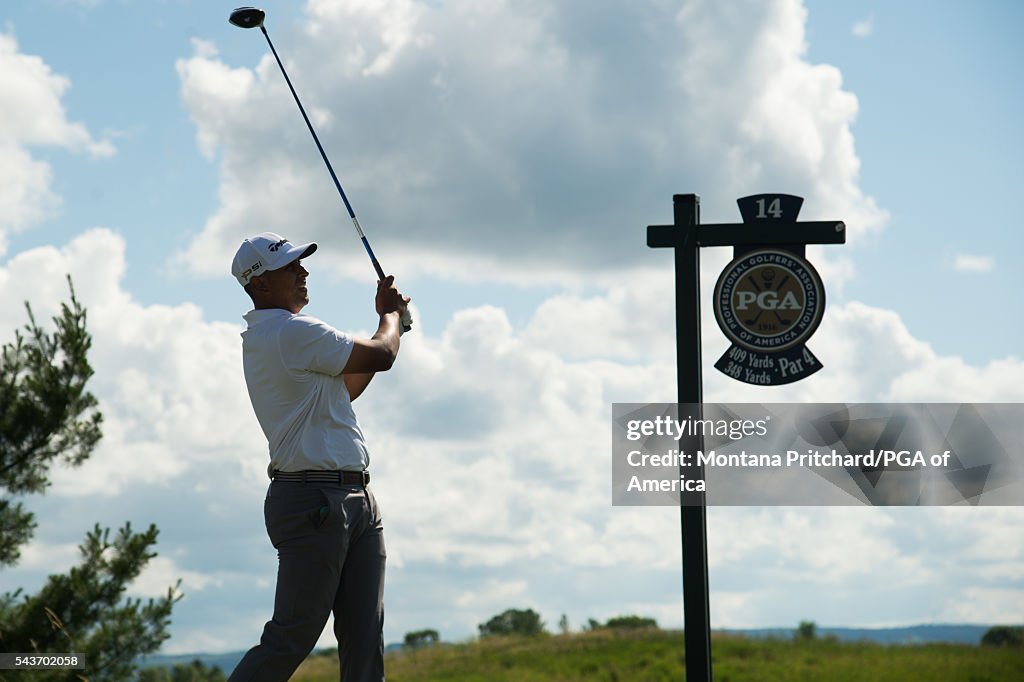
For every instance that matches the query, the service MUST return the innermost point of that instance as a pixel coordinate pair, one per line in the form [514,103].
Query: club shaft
[323,155]
[406,319]
[373,258]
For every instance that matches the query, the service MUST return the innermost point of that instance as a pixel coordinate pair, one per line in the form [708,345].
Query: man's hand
[389,298]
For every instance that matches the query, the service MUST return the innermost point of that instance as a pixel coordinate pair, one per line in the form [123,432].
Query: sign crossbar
[740,234]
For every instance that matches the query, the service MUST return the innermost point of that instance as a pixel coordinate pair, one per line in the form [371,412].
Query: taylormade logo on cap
[266,251]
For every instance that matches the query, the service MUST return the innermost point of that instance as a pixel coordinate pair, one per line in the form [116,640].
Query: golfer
[302,376]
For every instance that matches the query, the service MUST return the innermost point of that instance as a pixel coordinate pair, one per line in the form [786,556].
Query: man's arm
[378,353]
[355,384]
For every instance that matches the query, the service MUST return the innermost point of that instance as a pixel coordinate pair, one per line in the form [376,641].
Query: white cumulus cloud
[536,159]
[965,262]
[863,28]
[493,471]
[33,115]
[166,379]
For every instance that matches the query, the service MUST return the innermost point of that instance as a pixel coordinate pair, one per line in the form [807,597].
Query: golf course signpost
[768,301]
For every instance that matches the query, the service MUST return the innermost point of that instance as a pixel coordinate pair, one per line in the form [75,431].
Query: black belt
[324,476]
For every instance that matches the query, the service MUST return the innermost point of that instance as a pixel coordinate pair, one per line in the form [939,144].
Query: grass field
[656,656]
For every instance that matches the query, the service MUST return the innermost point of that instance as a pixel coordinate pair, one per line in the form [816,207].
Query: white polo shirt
[292,367]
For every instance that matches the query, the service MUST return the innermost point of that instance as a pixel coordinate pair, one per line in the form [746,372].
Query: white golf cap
[266,251]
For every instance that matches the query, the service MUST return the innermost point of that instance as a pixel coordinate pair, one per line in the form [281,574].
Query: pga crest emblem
[769,300]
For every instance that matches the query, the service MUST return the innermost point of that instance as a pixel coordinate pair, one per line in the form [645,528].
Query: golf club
[251,17]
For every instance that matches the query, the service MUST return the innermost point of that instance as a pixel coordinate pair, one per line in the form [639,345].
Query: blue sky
[936,135]
[505,161]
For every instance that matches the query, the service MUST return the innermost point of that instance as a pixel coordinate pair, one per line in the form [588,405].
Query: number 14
[774,208]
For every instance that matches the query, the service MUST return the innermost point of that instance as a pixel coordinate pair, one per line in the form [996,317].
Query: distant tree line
[622,623]
[527,622]
[421,638]
[513,622]
[806,631]
[1004,635]
[183,672]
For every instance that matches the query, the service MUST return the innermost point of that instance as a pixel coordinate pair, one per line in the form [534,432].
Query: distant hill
[915,634]
[226,662]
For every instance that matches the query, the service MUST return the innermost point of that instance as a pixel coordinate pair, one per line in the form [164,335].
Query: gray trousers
[330,547]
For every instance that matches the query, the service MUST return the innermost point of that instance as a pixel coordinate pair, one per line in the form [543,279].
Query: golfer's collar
[254,317]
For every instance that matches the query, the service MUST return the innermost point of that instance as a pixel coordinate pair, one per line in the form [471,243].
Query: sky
[505,160]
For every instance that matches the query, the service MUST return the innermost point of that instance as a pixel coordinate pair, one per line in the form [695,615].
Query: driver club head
[247,17]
